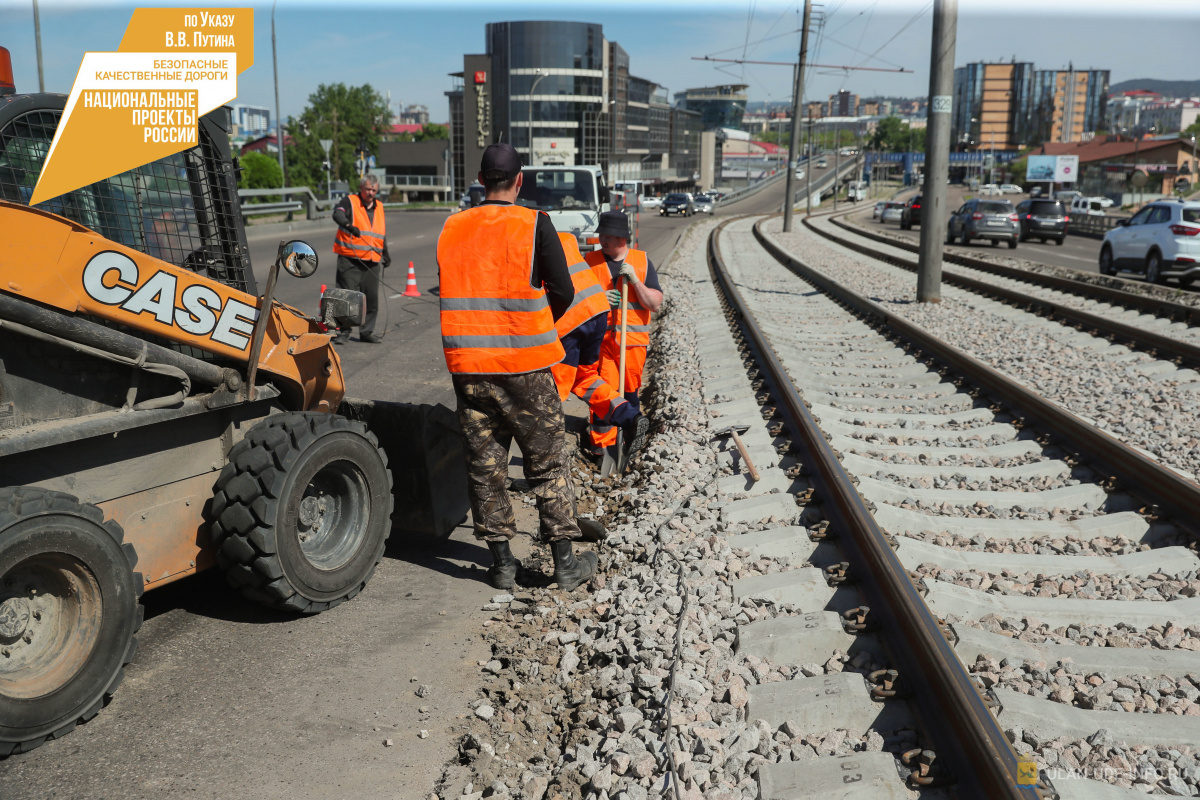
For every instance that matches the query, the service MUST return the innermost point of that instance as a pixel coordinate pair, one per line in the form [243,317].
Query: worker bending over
[504,281]
[581,330]
[615,262]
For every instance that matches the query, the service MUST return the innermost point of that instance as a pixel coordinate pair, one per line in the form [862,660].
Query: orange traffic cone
[410,290]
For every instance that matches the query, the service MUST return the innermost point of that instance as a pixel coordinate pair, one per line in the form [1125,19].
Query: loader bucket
[424,447]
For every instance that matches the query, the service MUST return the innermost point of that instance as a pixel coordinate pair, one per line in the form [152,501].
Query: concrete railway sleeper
[1038,567]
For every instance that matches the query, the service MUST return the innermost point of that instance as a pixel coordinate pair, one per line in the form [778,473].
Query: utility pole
[937,151]
[278,119]
[37,40]
[797,115]
[808,168]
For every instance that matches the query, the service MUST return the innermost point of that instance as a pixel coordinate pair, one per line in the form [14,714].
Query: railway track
[1148,322]
[1030,579]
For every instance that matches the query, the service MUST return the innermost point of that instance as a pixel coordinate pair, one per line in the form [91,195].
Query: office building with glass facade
[992,106]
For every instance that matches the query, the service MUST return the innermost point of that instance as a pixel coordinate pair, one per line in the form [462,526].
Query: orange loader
[160,415]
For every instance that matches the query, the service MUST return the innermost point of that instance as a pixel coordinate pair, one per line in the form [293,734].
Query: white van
[1089,206]
[572,196]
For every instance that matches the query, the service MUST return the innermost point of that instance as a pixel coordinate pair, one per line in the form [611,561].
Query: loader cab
[182,209]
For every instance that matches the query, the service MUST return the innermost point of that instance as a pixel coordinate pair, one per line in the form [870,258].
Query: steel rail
[1175,494]
[1158,344]
[949,707]
[1151,305]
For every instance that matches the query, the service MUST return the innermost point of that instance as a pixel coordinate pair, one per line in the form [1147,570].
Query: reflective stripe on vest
[637,323]
[589,299]
[493,322]
[372,228]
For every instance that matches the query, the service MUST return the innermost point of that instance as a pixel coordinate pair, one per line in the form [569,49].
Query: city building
[265,144]
[1106,165]
[815,110]
[251,121]
[869,109]
[413,114]
[992,106]
[1123,112]
[1170,116]
[718,106]
[1069,105]
[561,93]
[415,171]
[842,104]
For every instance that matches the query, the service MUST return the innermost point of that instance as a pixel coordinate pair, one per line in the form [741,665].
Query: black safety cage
[182,209]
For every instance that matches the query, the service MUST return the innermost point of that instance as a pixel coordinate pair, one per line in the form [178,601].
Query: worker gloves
[627,271]
[614,297]
[353,231]
[387,261]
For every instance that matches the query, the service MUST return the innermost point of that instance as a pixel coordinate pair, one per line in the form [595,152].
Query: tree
[260,171]
[432,132]
[1192,130]
[350,116]
[894,134]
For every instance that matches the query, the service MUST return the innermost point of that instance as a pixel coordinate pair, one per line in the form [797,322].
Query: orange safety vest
[493,321]
[637,330]
[589,299]
[369,245]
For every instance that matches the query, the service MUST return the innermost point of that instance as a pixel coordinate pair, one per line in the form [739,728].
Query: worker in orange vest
[615,262]
[504,281]
[361,247]
[581,331]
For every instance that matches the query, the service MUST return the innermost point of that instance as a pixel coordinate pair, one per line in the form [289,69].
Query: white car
[799,174]
[1089,206]
[1161,241]
[875,212]
[891,211]
[1067,195]
[1010,188]
[651,202]
[990,190]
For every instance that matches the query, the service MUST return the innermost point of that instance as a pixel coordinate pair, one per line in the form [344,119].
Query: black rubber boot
[569,571]
[503,571]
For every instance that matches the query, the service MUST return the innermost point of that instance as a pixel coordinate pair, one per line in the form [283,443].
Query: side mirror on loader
[298,259]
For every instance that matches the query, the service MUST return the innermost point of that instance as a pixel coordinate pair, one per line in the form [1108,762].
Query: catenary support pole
[278,120]
[937,151]
[37,40]
[797,116]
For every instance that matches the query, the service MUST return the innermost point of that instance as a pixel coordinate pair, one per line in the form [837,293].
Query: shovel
[608,465]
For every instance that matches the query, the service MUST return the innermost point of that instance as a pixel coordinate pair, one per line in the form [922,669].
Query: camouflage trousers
[492,411]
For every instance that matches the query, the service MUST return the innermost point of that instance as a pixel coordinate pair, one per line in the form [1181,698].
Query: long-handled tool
[608,464]
[735,431]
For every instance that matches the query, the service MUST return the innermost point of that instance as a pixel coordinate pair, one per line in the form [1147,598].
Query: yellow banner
[142,103]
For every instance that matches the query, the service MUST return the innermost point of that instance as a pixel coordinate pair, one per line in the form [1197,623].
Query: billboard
[1060,169]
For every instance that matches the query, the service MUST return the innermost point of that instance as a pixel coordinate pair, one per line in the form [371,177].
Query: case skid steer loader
[158,415]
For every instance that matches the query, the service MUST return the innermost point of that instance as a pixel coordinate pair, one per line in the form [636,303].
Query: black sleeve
[342,213]
[550,267]
[651,281]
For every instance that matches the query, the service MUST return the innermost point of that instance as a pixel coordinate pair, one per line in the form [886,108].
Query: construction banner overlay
[142,102]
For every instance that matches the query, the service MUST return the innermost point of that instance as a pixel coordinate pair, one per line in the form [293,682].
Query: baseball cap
[500,158]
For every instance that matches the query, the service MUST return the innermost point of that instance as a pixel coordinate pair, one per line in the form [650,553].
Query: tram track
[933,485]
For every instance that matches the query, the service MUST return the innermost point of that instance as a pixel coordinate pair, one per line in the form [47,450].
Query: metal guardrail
[440,182]
[1091,225]
[752,189]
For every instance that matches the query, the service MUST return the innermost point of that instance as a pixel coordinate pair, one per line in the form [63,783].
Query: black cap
[614,223]
[500,162]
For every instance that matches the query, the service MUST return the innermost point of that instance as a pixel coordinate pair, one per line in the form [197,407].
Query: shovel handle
[624,315]
[745,456]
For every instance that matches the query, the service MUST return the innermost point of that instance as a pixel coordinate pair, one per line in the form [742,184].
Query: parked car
[995,220]
[891,211]
[1010,188]
[1088,207]
[652,202]
[911,214]
[1161,241]
[878,209]
[703,203]
[472,197]
[1042,220]
[677,203]
[990,190]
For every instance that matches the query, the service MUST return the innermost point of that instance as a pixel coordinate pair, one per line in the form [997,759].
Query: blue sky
[409,48]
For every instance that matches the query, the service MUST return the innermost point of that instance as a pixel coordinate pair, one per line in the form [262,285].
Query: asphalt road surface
[226,699]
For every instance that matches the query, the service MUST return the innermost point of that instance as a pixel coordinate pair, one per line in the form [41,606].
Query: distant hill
[1166,88]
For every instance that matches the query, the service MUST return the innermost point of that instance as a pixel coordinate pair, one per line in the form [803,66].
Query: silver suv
[1161,241]
[984,219]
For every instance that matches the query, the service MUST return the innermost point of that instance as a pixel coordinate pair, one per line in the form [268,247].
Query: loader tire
[302,511]
[68,614]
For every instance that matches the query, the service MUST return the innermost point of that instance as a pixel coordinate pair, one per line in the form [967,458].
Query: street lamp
[536,81]
[278,121]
